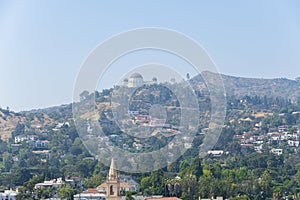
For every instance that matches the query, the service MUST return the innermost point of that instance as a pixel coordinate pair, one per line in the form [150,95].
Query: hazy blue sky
[44,43]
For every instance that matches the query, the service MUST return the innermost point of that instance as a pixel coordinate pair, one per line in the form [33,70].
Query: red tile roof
[92,190]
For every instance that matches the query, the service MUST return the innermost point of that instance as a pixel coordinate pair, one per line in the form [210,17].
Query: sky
[43,44]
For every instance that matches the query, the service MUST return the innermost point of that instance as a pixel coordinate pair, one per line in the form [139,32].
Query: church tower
[113,183]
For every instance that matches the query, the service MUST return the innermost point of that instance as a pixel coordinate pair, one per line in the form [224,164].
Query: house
[218,198]
[41,143]
[137,146]
[258,148]
[90,194]
[60,125]
[247,145]
[36,126]
[237,137]
[52,183]
[8,195]
[74,181]
[293,143]
[130,181]
[15,158]
[276,151]
[215,153]
[158,123]
[187,145]
[22,138]
[42,152]
[275,136]
[142,118]
[125,146]
[282,128]
[133,112]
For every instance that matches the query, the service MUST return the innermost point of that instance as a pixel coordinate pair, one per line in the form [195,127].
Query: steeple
[113,183]
[113,173]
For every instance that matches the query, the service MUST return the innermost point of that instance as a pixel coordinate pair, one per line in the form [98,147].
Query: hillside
[234,86]
[8,122]
[239,87]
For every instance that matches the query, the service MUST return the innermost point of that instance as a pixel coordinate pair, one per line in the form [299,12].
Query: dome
[136,75]
[125,80]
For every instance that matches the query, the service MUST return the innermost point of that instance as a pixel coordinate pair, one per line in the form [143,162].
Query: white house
[90,194]
[52,183]
[215,153]
[293,143]
[21,138]
[276,151]
[8,195]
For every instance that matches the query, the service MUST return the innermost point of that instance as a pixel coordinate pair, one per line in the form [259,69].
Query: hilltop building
[137,80]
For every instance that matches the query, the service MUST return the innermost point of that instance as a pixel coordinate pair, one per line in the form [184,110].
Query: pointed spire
[113,174]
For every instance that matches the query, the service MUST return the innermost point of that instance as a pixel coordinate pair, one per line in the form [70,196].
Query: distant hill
[234,86]
[238,86]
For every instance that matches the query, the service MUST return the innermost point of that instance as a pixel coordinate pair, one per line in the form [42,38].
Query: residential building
[74,181]
[276,151]
[8,195]
[293,143]
[52,183]
[90,194]
[215,153]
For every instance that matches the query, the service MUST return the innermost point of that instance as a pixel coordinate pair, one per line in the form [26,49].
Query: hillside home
[52,183]
[8,195]
[276,151]
[215,153]
[22,138]
[293,143]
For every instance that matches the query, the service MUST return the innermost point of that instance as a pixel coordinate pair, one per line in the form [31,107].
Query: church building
[113,183]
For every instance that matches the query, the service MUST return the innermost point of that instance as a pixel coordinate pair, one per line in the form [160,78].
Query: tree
[128,195]
[19,130]
[8,162]
[84,95]
[196,168]
[93,181]
[266,183]
[183,165]
[23,194]
[66,192]
[76,150]
[189,187]
[188,76]
[145,186]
